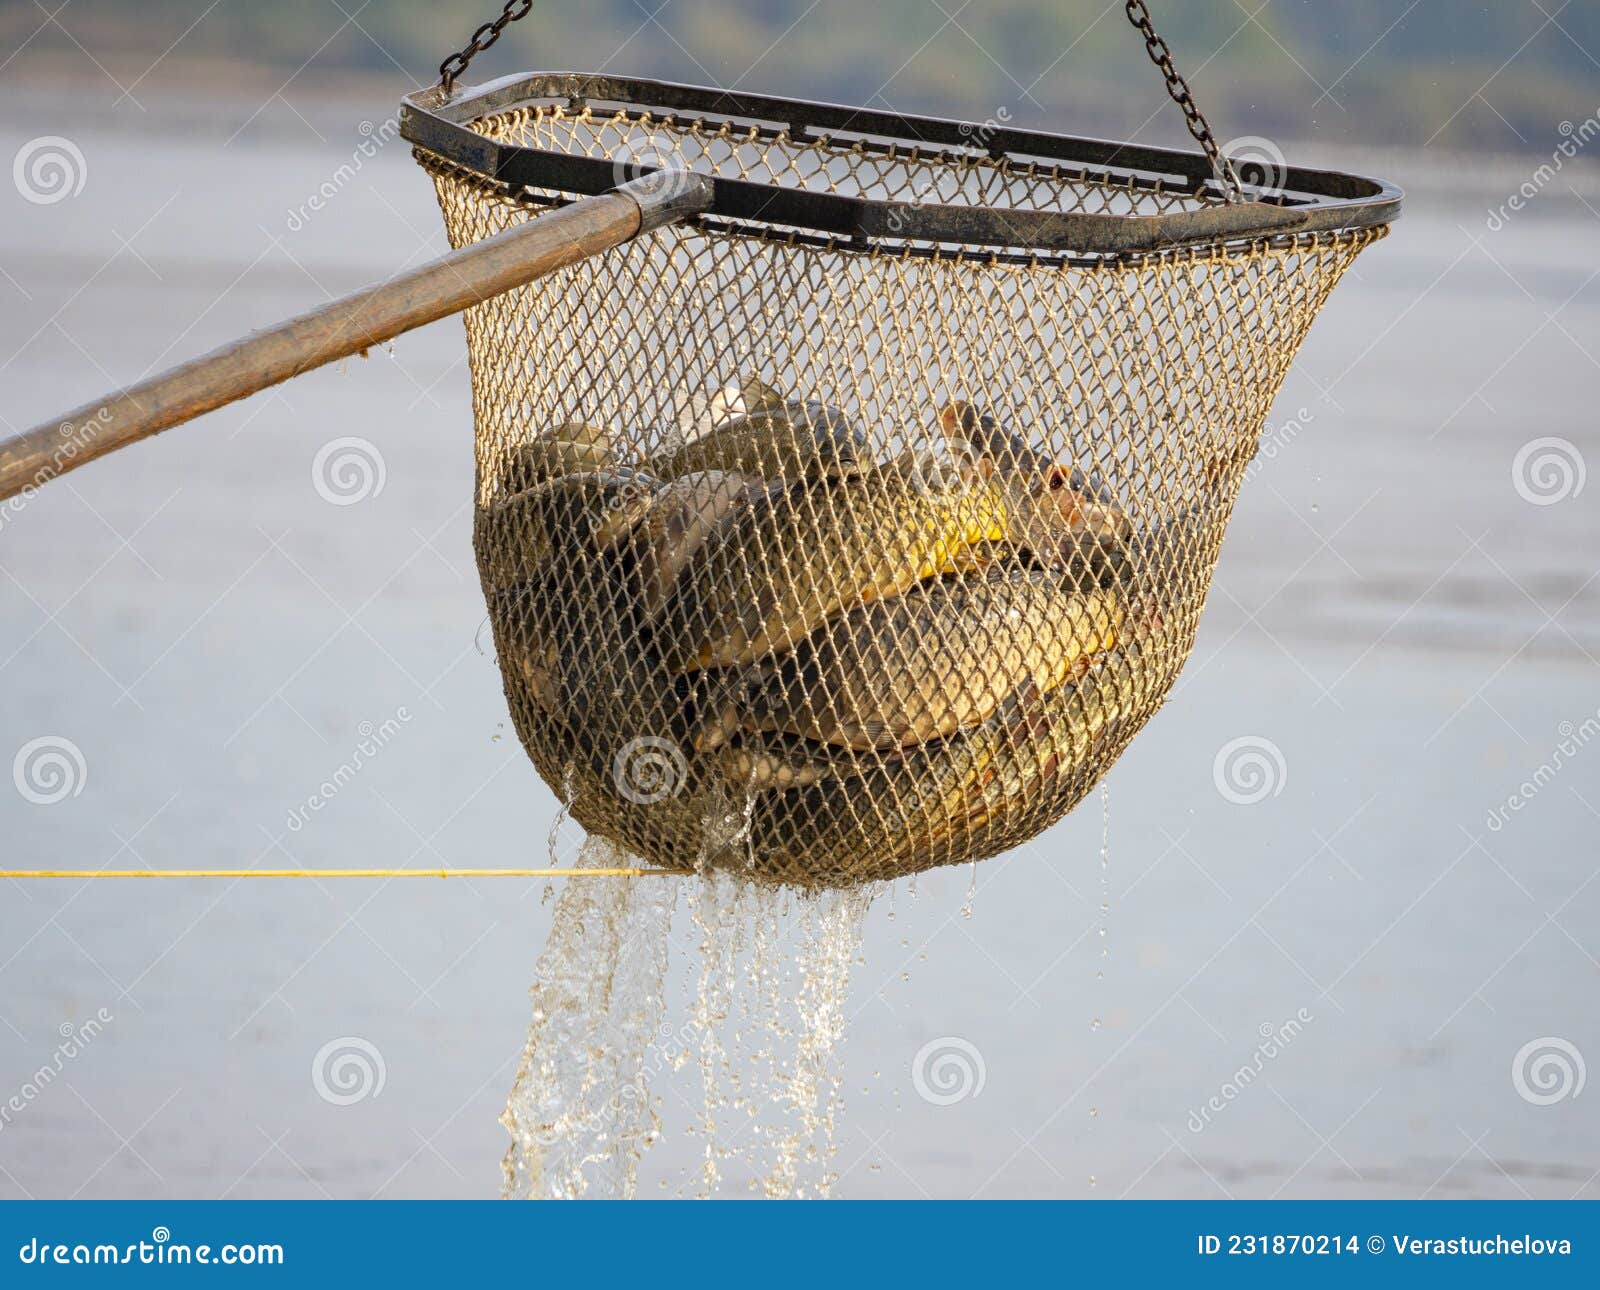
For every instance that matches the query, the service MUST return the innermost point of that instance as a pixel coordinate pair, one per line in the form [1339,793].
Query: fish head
[619,501]
[1082,505]
[965,425]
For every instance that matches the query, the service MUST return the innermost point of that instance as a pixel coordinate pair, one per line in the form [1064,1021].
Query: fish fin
[956,418]
[757,396]
[878,734]
[722,715]
[1022,713]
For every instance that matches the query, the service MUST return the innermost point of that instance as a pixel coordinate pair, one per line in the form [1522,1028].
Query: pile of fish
[859,667]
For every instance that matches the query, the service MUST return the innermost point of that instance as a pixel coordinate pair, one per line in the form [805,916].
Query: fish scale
[924,663]
[772,573]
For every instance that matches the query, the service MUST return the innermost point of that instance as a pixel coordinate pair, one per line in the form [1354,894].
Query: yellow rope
[341,873]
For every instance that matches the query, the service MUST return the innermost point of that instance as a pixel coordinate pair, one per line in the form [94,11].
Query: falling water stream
[763,1015]
[580,1113]
[763,1023]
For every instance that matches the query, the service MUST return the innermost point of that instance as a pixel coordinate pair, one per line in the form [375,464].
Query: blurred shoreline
[210,98]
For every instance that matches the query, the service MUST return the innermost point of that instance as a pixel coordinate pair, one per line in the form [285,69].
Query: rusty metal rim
[1308,201]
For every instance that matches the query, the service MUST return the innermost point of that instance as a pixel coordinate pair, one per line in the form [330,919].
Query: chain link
[1178,89]
[485,36]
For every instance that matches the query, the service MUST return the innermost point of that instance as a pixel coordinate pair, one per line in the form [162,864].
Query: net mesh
[831,562]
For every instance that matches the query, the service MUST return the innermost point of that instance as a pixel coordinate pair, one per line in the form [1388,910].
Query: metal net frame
[856,533]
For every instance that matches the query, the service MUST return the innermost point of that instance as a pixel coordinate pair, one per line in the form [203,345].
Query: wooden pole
[349,326]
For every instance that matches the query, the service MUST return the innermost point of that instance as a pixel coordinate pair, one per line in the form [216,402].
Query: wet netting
[830,559]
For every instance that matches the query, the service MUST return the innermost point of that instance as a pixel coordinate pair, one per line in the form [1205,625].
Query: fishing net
[832,559]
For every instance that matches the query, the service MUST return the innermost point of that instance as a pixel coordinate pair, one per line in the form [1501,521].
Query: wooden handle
[349,325]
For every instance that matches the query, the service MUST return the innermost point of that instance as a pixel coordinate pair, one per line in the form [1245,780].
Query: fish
[704,413]
[577,669]
[1064,517]
[773,571]
[869,816]
[568,449]
[772,761]
[940,657]
[964,424]
[1037,778]
[793,440]
[570,518]
[835,830]
[681,517]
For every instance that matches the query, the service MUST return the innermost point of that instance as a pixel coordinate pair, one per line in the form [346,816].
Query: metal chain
[1178,88]
[1138,14]
[485,36]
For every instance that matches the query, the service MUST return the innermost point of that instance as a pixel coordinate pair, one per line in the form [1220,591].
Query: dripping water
[580,1113]
[1105,877]
[769,1014]
[764,1024]
[563,813]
